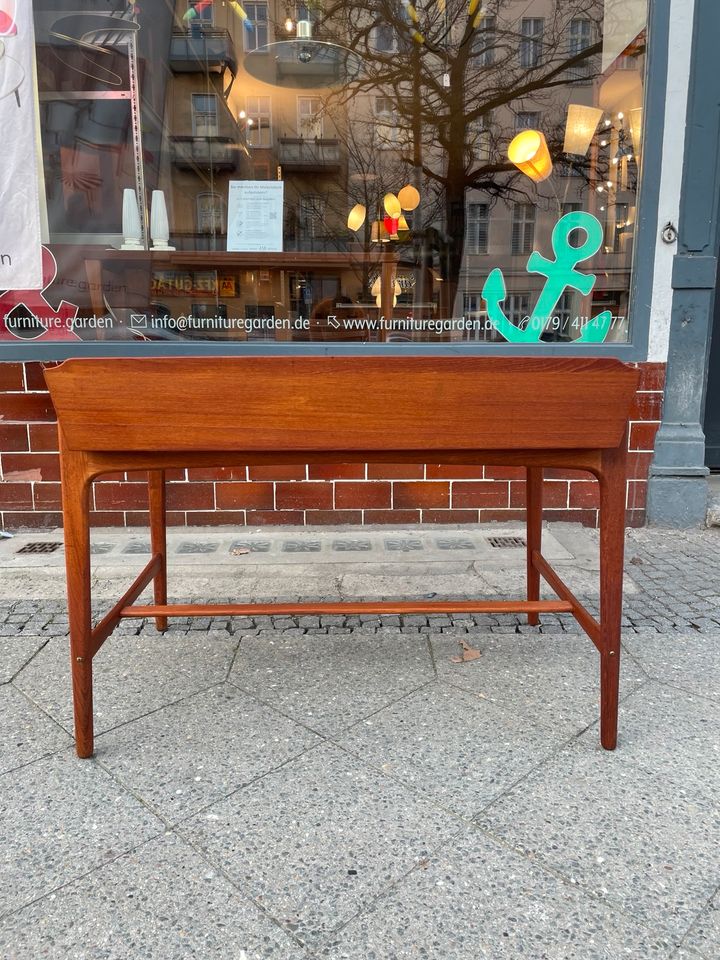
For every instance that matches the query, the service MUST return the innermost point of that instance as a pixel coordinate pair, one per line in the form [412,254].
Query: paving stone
[554,680]
[475,900]
[687,660]
[407,582]
[318,840]
[190,754]
[671,734]
[622,832]
[160,901]
[16,650]
[455,747]
[27,733]
[331,682]
[704,934]
[132,675]
[59,818]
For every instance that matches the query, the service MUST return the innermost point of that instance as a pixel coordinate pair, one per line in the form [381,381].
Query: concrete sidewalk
[341,787]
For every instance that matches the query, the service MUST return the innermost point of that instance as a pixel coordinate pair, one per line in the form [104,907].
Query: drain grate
[41,546]
[507,542]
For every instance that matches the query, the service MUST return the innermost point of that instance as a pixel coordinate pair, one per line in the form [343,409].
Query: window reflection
[347,106]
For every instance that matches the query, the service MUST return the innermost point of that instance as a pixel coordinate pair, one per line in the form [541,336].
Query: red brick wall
[314,494]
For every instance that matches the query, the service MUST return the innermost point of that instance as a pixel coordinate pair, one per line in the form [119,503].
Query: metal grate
[41,546]
[506,543]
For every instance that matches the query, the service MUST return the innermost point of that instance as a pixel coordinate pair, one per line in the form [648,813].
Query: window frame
[531,43]
[475,247]
[221,207]
[526,230]
[642,278]
[257,116]
[302,98]
[196,114]
[252,34]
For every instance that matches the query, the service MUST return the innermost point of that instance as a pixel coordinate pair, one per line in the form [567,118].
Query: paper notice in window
[255,216]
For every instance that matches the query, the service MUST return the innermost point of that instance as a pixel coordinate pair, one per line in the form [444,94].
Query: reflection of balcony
[309,156]
[220,153]
[203,51]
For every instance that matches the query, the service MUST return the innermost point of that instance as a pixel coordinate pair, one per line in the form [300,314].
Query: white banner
[20,242]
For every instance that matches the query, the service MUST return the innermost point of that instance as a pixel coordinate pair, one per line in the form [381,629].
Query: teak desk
[154,414]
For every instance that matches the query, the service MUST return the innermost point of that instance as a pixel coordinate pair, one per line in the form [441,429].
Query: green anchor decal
[560,274]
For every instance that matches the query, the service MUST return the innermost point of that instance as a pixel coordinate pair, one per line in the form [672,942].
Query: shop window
[310,118]
[478,226]
[523,228]
[338,125]
[210,213]
[531,29]
[259,126]
[204,115]
[257,36]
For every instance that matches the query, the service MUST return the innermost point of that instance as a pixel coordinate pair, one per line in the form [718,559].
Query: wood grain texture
[341,403]
[155,414]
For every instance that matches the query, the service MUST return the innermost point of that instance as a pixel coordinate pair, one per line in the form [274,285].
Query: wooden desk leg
[612,547]
[158,538]
[76,524]
[534,534]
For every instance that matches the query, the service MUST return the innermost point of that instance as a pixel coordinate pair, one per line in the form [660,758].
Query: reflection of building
[599,173]
[222,123]
[343,129]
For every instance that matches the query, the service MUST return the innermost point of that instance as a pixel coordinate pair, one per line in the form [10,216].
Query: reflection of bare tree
[457,73]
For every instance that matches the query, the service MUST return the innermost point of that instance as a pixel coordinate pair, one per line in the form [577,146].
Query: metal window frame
[641,281]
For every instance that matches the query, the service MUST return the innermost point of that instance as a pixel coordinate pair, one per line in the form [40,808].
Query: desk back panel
[341,403]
